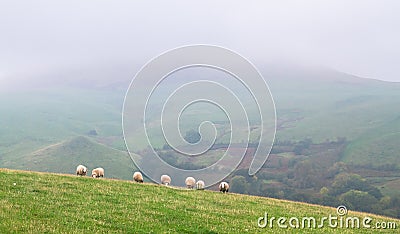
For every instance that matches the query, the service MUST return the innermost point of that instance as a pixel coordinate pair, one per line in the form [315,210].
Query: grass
[63,157]
[32,202]
[391,188]
[377,147]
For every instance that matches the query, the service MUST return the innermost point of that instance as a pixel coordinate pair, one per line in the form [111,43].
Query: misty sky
[50,37]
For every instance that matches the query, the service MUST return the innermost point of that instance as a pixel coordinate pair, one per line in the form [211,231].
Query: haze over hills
[53,126]
[65,68]
[319,104]
[63,157]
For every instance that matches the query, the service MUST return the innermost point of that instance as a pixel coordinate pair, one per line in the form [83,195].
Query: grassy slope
[38,128]
[45,115]
[378,146]
[63,157]
[366,112]
[330,109]
[40,202]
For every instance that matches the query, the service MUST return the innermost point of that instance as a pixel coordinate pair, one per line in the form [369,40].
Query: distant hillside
[43,203]
[377,147]
[63,157]
[325,104]
[317,104]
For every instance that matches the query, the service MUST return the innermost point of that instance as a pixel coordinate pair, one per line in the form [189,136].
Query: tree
[304,174]
[301,146]
[337,168]
[345,182]
[324,191]
[239,185]
[192,136]
[358,200]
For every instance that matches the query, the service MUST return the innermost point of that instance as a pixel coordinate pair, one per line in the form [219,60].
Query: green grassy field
[32,202]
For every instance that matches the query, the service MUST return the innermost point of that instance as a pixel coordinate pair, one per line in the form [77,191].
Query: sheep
[165,180]
[81,170]
[138,177]
[224,187]
[190,182]
[200,185]
[98,172]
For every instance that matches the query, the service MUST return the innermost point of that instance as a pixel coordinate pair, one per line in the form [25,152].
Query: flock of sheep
[165,179]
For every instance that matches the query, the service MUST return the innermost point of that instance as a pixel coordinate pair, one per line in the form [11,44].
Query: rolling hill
[378,146]
[323,105]
[33,202]
[317,104]
[63,157]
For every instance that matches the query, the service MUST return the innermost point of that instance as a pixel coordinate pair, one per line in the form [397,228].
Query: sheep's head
[94,175]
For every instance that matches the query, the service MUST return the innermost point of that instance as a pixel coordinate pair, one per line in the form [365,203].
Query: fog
[92,40]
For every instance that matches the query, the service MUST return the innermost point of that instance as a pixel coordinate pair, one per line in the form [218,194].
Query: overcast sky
[39,37]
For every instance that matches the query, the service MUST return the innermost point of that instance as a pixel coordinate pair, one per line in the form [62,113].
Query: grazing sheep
[98,172]
[165,180]
[224,187]
[81,170]
[200,185]
[138,177]
[190,182]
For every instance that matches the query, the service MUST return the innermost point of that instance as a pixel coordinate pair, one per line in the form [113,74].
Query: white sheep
[165,180]
[98,172]
[81,170]
[138,177]
[224,187]
[190,182]
[200,185]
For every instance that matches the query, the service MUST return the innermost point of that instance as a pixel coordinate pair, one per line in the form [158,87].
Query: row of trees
[348,189]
